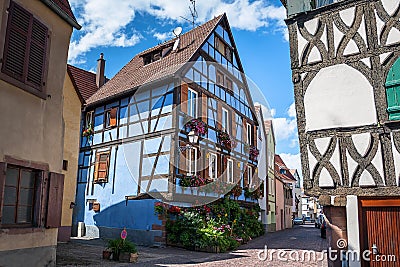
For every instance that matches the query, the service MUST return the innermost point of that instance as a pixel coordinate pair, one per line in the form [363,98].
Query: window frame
[229,171]
[191,151]
[107,118]
[210,163]
[16,224]
[97,163]
[89,119]
[40,91]
[192,108]
[249,175]
[249,133]
[225,120]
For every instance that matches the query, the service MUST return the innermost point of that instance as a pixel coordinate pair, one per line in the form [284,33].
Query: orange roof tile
[83,81]
[135,73]
[280,164]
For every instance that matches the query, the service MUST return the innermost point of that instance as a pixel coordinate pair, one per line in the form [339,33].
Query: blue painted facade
[145,143]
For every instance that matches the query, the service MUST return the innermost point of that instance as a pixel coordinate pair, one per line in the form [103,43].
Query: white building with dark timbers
[346,75]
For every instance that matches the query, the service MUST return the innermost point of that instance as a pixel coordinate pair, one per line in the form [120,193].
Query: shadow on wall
[137,216]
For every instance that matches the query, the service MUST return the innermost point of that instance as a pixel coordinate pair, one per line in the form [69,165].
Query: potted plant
[198,126]
[254,152]
[236,191]
[226,140]
[122,250]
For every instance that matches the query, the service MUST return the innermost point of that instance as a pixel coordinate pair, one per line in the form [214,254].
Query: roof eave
[62,14]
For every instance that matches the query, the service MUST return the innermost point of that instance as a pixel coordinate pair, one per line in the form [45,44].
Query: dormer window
[152,57]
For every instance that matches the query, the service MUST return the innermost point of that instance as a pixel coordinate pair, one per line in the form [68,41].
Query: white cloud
[284,128]
[292,111]
[163,36]
[292,161]
[105,23]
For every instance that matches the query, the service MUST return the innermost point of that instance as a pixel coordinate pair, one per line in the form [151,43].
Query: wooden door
[380,228]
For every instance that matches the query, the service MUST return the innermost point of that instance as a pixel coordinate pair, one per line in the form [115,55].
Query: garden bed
[218,227]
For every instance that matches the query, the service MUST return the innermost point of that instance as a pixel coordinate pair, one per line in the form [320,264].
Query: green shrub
[119,245]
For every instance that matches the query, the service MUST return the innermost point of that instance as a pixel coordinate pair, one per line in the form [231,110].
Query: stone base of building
[139,237]
[40,256]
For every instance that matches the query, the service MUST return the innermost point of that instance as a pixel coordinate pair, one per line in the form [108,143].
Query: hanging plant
[199,127]
[193,181]
[226,140]
[88,131]
[254,152]
[236,191]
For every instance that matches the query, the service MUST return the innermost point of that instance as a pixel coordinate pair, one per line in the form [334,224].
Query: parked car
[307,219]
[298,221]
[318,221]
[323,228]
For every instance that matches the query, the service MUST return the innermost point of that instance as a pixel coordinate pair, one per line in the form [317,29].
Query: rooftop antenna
[193,12]
[177,32]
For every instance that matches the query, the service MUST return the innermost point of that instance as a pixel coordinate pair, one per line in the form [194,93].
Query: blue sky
[121,29]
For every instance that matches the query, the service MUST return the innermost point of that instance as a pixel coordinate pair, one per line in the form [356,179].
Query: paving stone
[291,242]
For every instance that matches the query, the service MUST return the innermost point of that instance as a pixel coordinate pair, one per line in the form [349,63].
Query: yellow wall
[72,114]
[31,127]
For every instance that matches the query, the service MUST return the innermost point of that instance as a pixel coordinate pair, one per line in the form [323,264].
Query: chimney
[100,78]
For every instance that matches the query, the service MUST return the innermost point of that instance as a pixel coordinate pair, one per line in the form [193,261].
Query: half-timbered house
[176,118]
[345,63]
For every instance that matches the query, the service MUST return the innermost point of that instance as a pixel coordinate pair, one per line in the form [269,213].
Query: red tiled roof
[280,164]
[84,81]
[65,6]
[63,9]
[135,73]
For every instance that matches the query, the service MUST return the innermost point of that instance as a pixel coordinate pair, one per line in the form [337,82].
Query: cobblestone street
[293,241]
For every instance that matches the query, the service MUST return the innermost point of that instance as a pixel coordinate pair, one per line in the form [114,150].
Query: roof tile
[135,73]
[84,81]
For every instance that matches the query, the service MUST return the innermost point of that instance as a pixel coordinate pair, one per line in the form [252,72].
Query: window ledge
[23,86]
[19,230]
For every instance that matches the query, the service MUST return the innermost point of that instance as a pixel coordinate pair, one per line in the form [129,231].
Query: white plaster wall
[390,6]
[353,228]
[339,96]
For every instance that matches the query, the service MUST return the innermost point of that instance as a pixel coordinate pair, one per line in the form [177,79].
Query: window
[249,134]
[192,103]
[111,118]
[212,166]
[25,50]
[393,91]
[30,197]
[101,167]
[269,186]
[249,175]
[19,196]
[191,161]
[89,119]
[225,120]
[220,78]
[229,84]
[65,165]
[229,173]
